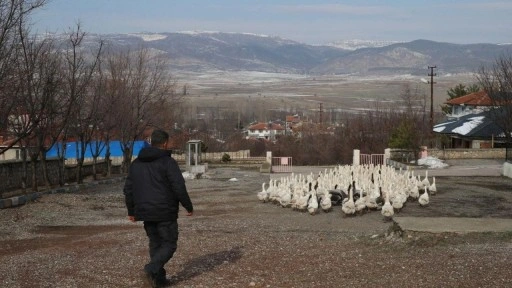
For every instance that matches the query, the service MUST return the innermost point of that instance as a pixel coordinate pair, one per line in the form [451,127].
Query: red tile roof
[264,126]
[293,118]
[479,98]
[7,142]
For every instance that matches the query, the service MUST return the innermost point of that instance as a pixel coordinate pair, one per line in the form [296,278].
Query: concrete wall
[493,153]
[205,157]
[446,154]
[11,173]
[213,156]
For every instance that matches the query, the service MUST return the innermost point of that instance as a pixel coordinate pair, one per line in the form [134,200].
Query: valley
[246,91]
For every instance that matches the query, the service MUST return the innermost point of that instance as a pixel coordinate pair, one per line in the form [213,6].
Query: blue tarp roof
[115,149]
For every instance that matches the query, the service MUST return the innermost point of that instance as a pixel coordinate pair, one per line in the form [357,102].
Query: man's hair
[159,137]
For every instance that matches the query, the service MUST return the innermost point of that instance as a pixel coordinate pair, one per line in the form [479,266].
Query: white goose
[360,203]
[302,202]
[399,198]
[326,202]
[263,194]
[414,191]
[325,198]
[425,182]
[313,203]
[297,193]
[285,199]
[432,188]
[371,200]
[272,190]
[424,200]
[387,209]
[349,206]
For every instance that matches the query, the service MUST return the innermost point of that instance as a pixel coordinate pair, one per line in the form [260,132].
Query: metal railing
[376,159]
[282,164]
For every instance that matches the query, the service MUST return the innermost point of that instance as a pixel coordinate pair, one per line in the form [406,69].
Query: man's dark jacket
[155,187]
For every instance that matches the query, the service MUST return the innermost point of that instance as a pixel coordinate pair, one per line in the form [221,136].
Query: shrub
[226,158]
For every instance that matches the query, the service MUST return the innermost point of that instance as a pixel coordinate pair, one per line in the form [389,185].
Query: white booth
[193,157]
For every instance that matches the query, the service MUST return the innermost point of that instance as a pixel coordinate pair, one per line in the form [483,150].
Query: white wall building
[267,131]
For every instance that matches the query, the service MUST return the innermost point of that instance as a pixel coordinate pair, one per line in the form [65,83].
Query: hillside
[249,52]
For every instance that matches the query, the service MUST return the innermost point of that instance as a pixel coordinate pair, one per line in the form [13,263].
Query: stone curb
[23,199]
[453,224]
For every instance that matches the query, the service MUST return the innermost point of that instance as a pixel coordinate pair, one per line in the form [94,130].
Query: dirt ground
[83,239]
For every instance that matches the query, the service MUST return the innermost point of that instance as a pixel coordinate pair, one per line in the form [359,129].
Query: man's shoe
[164,283]
[150,280]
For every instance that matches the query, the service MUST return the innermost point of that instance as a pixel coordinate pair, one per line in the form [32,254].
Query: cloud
[336,9]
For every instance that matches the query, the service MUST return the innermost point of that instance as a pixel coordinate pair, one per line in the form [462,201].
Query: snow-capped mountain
[210,50]
[355,44]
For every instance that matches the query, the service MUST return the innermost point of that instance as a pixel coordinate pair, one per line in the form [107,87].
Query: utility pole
[321,110]
[432,74]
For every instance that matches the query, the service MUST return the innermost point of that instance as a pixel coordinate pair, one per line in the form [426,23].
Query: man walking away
[153,190]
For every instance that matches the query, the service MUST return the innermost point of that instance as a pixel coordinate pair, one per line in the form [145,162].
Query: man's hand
[131,218]
[189,213]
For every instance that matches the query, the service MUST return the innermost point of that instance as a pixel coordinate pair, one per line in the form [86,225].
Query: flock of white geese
[357,189]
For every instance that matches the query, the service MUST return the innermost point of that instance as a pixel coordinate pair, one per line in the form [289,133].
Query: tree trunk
[24,168]
[62,164]
[79,174]
[44,167]
[80,162]
[107,159]
[94,162]
[33,164]
[107,156]
[77,171]
[127,159]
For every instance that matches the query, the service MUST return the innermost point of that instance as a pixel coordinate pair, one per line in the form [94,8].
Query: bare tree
[27,110]
[112,98]
[497,82]
[84,102]
[145,90]
[98,117]
[39,66]
[13,15]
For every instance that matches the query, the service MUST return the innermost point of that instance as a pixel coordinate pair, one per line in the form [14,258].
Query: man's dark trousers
[163,241]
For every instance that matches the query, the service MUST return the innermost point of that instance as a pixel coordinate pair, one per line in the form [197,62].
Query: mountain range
[203,51]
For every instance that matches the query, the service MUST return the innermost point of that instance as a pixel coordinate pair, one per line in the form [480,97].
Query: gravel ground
[83,239]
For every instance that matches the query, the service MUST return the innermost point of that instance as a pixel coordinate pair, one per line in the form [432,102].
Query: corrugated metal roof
[472,125]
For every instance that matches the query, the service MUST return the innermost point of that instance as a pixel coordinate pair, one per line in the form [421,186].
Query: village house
[469,125]
[267,131]
[473,103]
[13,153]
[291,122]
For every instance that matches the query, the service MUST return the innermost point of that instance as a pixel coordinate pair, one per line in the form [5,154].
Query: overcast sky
[312,22]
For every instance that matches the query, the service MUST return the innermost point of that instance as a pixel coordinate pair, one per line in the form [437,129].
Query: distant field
[253,90]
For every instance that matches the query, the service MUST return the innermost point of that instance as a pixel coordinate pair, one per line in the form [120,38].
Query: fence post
[387,156]
[355,158]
